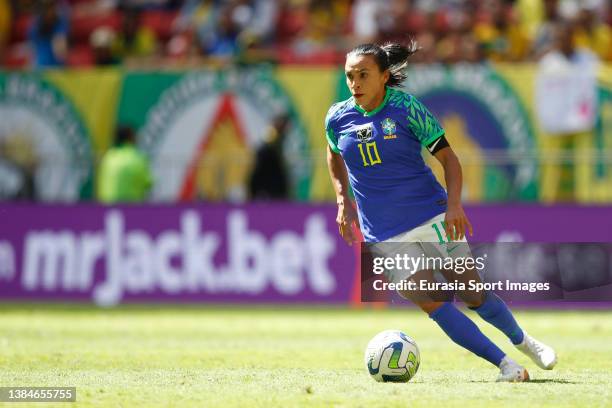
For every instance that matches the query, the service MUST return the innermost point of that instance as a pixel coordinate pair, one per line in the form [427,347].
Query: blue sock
[465,333]
[496,312]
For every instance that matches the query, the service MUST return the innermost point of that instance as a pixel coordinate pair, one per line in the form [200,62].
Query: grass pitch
[202,357]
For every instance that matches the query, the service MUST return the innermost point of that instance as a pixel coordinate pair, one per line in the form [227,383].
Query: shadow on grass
[552,380]
[538,381]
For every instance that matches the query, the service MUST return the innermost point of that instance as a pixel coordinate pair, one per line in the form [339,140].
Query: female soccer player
[374,145]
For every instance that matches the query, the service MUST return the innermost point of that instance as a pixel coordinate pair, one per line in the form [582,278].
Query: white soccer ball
[392,356]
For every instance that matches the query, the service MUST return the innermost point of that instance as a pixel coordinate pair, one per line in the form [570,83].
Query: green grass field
[201,357]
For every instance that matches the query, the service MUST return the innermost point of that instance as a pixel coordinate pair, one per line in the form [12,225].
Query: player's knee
[473,305]
[472,300]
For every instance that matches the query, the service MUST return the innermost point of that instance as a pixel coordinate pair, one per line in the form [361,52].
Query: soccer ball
[392,356]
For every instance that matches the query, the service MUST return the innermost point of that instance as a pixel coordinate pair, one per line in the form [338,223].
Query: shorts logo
[365,133]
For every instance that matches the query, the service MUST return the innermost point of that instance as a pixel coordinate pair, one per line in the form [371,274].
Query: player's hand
[456,223]
[346,220]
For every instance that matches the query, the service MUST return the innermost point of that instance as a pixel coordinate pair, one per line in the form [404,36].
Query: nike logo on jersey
[433,146]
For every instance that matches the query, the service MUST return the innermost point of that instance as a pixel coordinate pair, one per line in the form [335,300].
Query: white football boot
[541,354]
[511,371]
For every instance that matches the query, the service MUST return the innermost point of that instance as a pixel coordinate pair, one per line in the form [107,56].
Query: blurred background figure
[221,40]
[592,33]
[124,174]
[544,38]
[18,164]
[102,40]
[135,41]
[566,102]
[393,20]
[321,35]
[5,26]
[207,34]
[223,30]
[269,179]
[364,19]
[49,34]
[194,20]
[298,31]
[501,33]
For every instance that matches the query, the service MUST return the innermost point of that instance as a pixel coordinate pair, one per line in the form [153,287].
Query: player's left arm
[430,134]
[456,222]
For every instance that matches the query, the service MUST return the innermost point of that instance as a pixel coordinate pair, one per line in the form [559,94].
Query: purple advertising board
[267,253]
[541,223]
[203,253]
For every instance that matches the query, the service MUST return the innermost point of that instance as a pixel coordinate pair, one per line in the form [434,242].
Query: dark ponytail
[391,56]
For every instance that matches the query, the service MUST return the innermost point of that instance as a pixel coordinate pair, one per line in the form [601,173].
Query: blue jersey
[394,189]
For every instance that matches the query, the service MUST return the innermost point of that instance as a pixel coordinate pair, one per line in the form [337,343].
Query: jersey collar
[378,108]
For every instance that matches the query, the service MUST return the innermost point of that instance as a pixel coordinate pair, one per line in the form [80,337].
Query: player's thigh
[452,259]
[469,277]
[401,255]
[425,292]
[408,258]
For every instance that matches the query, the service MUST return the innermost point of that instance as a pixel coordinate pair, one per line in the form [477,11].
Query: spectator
[195,22]
[545,33]
[456,43]
[134,40]
[364,20]
[222,40]
[18,164]
[48,34]
[101,7]
[213,24]
[265,19]
[102,40]
[194,14]
[592,33]
[94,7]
[471,50]
[565,106]
[317,31]
[151,4]
[501,34]
[124,174]
[393,20]
[224,29]
[5,25]
[241,25]
[323,31]
[269,176]
[532,13]
[427,53]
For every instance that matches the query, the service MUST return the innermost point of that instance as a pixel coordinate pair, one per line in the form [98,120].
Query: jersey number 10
[372,154]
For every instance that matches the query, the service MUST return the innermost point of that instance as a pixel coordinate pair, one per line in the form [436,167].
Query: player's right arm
[347,214]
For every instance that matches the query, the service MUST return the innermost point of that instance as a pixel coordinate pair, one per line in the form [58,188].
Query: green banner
[201,129]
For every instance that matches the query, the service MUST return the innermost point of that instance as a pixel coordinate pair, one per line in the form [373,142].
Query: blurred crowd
[105,32]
